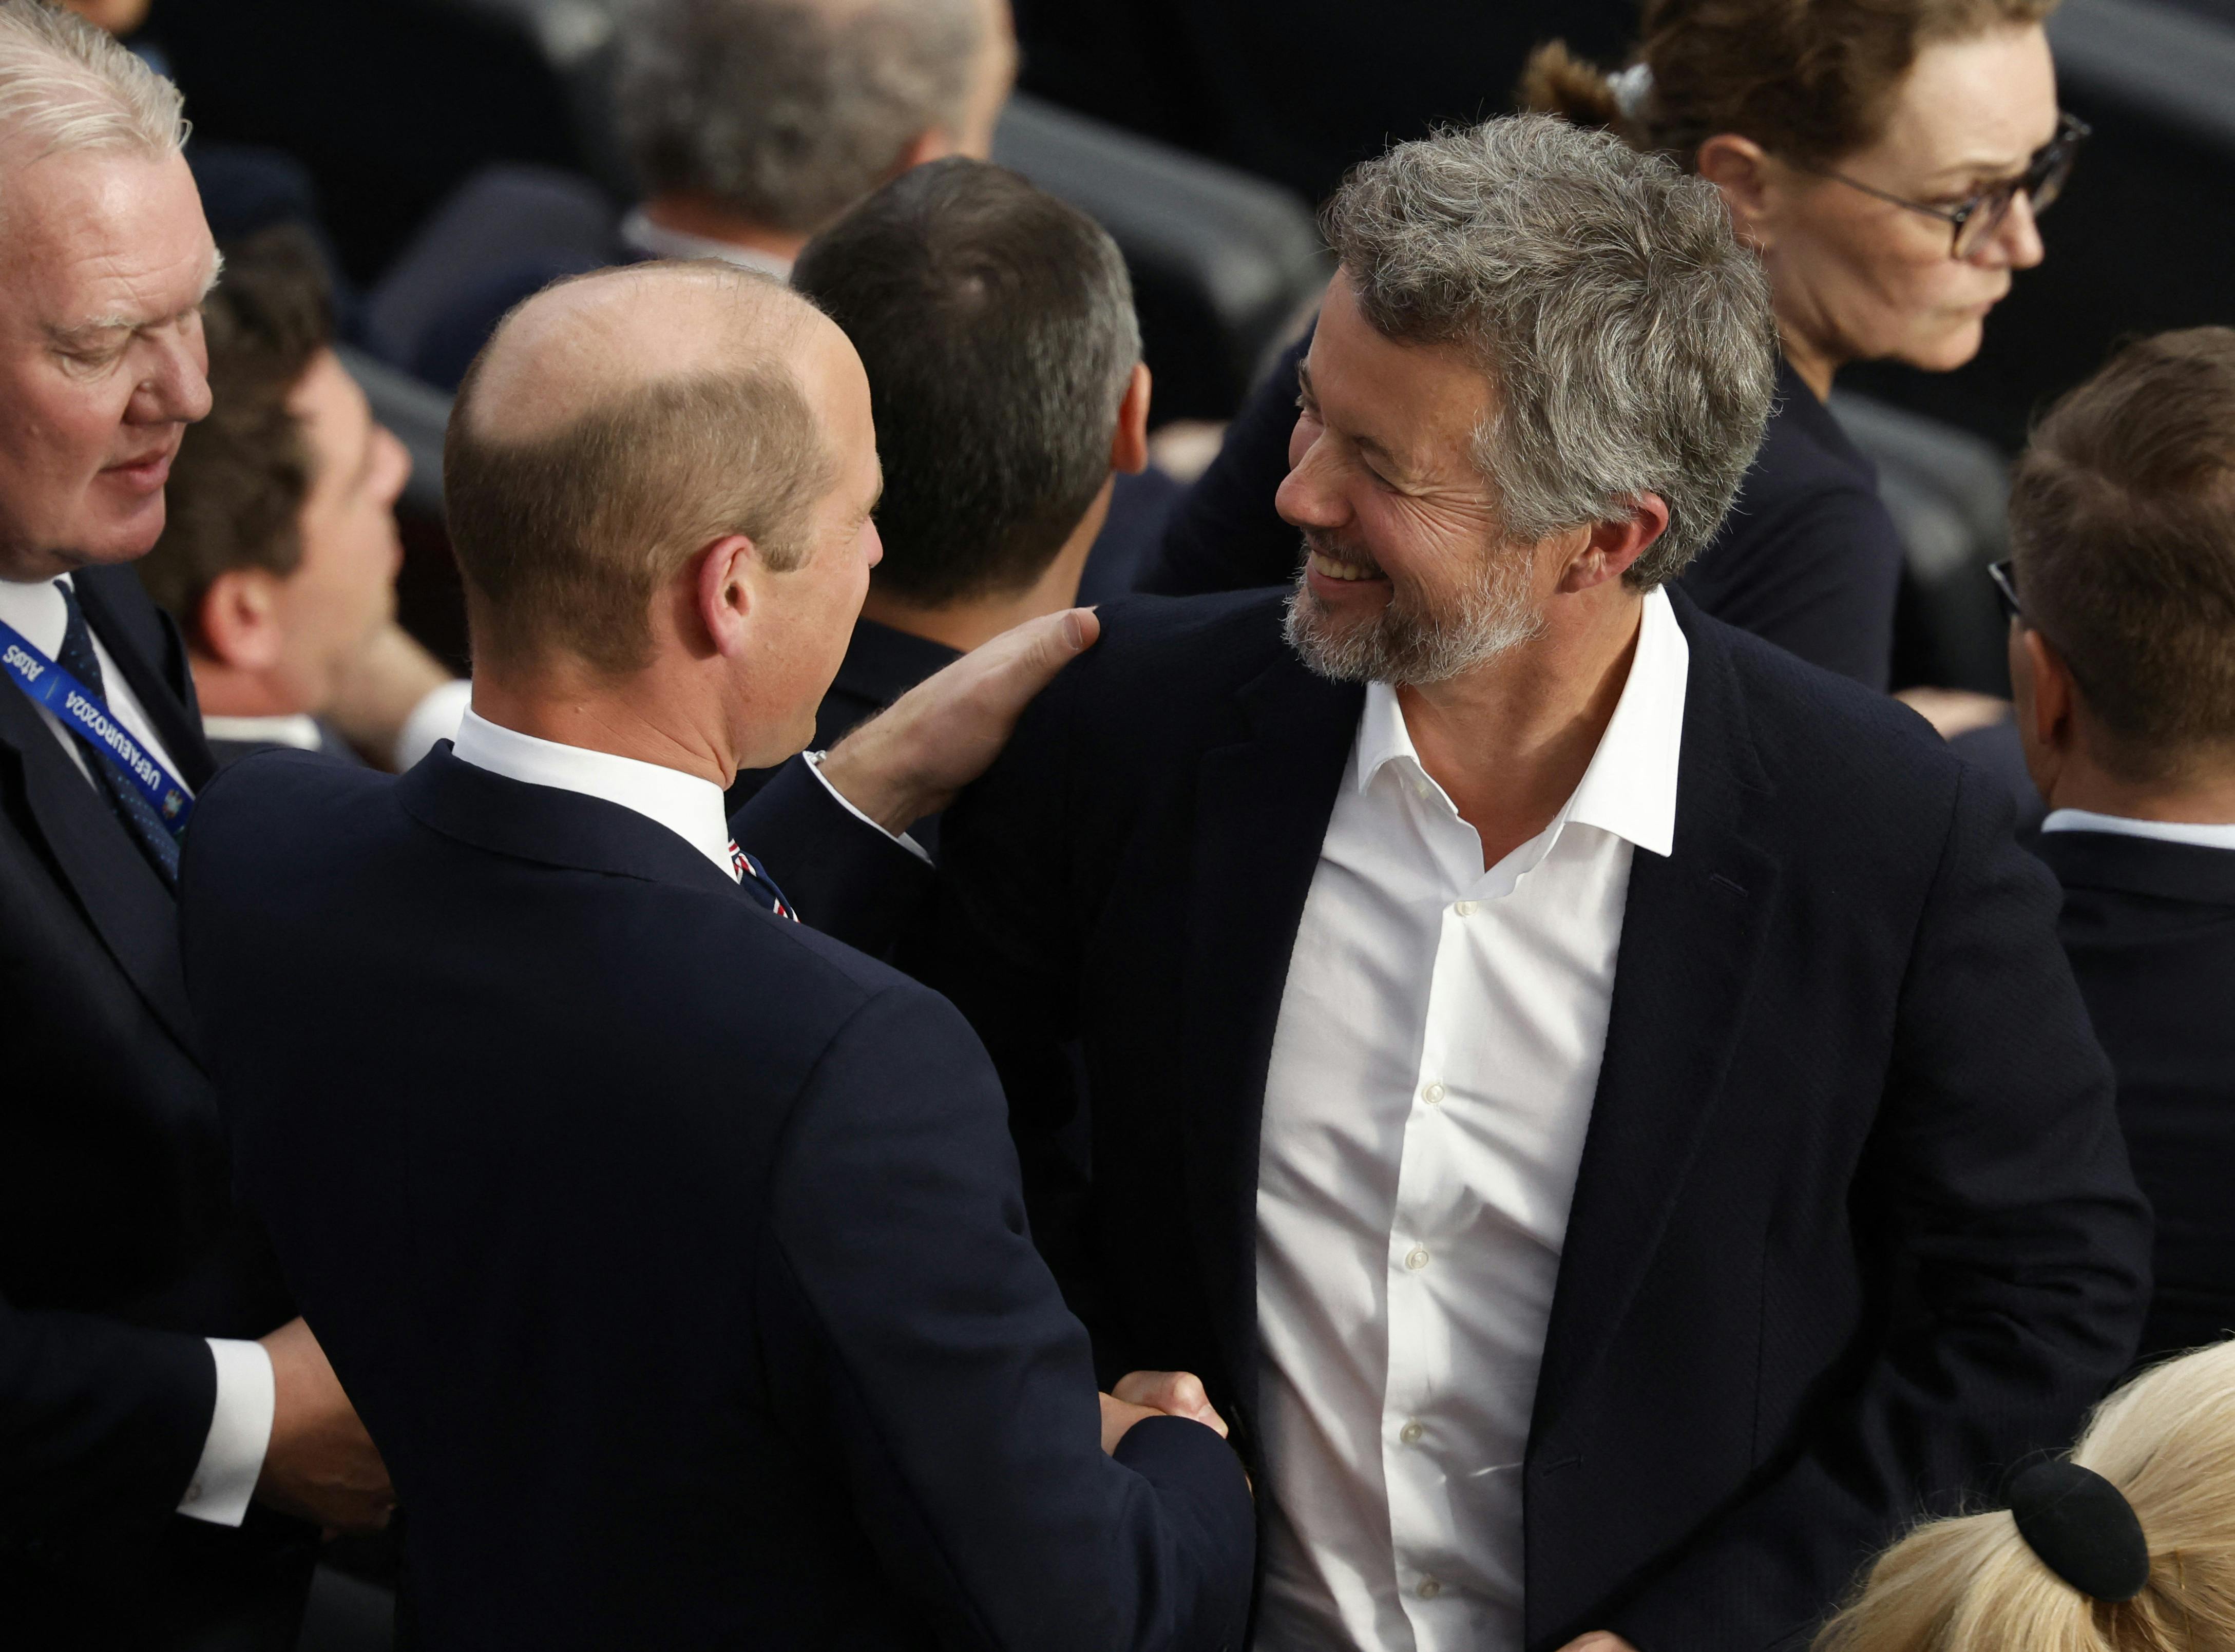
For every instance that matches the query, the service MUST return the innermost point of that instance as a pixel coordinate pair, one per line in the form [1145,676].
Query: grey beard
[1408,649]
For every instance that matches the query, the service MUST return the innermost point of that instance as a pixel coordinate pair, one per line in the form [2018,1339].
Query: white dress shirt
[686,804]
[655,240]
[297,729]
[241,1427]
[2203,835]
[1431,1078]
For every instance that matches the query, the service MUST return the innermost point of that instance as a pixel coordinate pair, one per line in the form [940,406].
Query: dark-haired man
[279,555]
[996,324]
[2122,664]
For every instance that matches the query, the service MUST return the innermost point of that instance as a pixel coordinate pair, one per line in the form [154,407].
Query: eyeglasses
[2004,574]
[1973,223]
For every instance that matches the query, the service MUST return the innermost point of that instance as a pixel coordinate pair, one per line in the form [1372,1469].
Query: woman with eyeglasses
[1889,159]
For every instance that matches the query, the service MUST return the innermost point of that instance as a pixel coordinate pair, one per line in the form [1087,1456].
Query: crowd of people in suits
[1448,1069]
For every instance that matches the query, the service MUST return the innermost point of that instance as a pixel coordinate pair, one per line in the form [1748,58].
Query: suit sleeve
[1225,536]
[101,1423]
[1998,1182]
[841,874]
[957,1387]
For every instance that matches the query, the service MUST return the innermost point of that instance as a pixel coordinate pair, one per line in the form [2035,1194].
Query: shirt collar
[655,240]
[685,804]
[35,610]
[1629,788]
[2203,835]
[297,729]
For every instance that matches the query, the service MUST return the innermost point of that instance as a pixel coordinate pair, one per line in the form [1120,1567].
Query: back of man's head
[615,425]
[2122,530]
[786,112]
[997,327]
[66,86]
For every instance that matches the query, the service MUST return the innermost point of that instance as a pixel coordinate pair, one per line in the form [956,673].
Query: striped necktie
[753,878]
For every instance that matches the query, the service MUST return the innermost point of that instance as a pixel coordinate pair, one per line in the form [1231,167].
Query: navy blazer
[672,1252]
[120,1246]
[1808,558]
[2150,927]
[1853,1227]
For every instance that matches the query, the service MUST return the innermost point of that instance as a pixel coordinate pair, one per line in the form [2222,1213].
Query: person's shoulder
[1816,729]
[1195,641]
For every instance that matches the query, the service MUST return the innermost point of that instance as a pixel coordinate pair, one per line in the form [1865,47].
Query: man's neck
[1509,742]
[632,720]
[963,625]
[228,691]
[696,215]
[2206,798]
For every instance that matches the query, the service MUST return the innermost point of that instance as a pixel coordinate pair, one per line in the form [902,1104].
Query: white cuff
[815,761]
[436,718]
[241,1429]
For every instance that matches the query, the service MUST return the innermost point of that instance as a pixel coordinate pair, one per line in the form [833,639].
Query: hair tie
[1631,87]
[2083,1528]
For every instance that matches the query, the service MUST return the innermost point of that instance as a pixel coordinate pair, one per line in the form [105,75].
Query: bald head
[616,424]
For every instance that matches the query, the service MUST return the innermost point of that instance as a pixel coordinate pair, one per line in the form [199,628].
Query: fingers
[1175,1394]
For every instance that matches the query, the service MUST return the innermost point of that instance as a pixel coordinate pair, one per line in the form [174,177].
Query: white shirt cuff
[241,1429]
[815,761]
[436,718]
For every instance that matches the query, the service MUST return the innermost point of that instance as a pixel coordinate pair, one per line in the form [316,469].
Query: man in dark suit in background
[1600,1101]
[2122,663]
[718,1218]
[996,324]
[154,1380]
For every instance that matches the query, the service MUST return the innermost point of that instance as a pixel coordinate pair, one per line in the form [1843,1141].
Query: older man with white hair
[1598,1101]
[151,1366]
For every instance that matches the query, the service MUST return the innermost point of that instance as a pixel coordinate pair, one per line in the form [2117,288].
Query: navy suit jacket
[2150,927]
[121,1249]
[672,1252]
[1853,1229]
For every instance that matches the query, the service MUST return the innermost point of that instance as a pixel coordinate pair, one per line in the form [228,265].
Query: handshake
[1156,1393]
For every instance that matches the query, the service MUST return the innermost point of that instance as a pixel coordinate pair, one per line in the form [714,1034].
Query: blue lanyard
[81,712]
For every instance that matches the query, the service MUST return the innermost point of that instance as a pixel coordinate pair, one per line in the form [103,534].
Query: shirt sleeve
[815,761]
[240,1431]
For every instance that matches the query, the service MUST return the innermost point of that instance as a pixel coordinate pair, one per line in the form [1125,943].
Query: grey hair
[65,85]
[789,111]
[1627,334]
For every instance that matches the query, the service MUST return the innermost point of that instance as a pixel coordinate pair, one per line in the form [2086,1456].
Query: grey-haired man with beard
[1599,1101]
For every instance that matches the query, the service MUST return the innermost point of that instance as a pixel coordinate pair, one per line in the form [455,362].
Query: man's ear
[726,591]
[2051,702]
[237,624]
[1610,549]
[1129,448]
[1741,168]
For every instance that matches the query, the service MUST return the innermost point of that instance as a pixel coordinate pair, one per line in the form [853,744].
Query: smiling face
[1857,277]
[103,267]
[1410,577]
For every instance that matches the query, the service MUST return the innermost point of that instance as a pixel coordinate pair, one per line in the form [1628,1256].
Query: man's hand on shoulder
[911,760]
[321,1465]
[1598,1640]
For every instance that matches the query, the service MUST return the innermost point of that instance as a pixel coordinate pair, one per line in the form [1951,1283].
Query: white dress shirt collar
[655,240]
[1629,788]
[2202,833]
[297,729]
[687,805]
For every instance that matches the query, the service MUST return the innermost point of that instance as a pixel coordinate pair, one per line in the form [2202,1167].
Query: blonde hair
[1972,1585]
[65,85]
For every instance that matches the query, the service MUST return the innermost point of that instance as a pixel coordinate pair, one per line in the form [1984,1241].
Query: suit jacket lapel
[1691,940]
[135,916]
[1261,811]
[170,705]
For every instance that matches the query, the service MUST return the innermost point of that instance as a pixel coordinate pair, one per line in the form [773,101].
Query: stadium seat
[1948,492]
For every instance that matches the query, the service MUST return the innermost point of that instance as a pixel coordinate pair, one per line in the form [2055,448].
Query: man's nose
[176,392]
[1308,497]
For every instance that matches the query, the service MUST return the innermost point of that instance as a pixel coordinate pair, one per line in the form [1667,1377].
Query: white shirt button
[1411,1433]
[1432,1094]
[1429,1589]
[1463,908]
[1417,1258]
